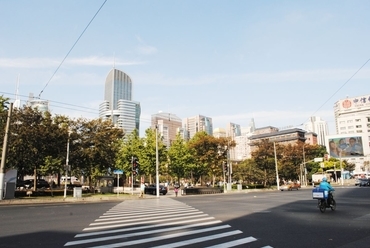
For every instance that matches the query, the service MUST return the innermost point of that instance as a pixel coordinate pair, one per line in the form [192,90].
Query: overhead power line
[70,50]
[340,87]
[322,105]
[62,105]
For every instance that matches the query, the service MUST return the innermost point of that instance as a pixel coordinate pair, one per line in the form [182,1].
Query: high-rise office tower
[196,124]
[316,125]
[35,103]
[169,125]
[352,141]
[118,105]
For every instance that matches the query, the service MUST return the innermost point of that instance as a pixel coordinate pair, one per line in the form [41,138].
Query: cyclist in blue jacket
[326,186]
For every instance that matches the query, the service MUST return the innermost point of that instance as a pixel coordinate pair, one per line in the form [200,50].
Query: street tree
[129,148]
[148,155]
[205,149]
[264,158]
[93,147]
[180,158]
[30,141]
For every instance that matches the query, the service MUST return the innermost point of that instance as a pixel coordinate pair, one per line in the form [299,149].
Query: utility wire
[70,50]
[354,74]
[67,106]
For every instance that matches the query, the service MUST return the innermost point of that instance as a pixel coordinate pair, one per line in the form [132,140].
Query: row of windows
[356,120]
[357,131]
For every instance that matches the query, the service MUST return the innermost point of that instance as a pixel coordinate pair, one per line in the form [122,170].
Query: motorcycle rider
[326,186]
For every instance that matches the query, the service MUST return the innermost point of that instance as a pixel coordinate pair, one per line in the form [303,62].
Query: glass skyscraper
[118,105]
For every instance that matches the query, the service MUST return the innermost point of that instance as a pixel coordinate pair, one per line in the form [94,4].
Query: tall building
[316,125]
[243,147]
[352,115]
[169,125]
[288,136]
[233,130]
[118,105]
[35,103]
[243,143]
[219,133]
[197,124]
[352,120]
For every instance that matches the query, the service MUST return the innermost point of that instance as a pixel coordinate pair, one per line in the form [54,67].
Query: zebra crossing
[159,223]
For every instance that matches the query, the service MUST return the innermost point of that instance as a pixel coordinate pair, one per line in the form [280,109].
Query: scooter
[322,197]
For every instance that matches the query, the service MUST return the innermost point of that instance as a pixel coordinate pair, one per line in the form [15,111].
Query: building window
[358,120]
[359,131]
[349,121]
[350,127]
[358,126]
[343,122]
[342,128]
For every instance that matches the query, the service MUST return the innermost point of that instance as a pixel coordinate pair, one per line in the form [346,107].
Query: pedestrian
[176,191]
[142,190]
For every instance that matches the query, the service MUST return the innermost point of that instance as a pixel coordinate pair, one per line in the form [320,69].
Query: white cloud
[308,76]
[271,118]
[145,49]
[54,62]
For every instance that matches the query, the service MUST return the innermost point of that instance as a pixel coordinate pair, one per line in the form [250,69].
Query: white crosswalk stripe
[159,223]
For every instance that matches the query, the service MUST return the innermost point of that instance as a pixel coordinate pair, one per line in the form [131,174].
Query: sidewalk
[129,196]
[71,199]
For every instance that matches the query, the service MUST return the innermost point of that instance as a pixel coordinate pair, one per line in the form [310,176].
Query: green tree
[148,154]
[205,149]
[29,142]
[291,162]
[94,145]
[130,147]
[4,102]
[55,150]
[264,157]
[180,158]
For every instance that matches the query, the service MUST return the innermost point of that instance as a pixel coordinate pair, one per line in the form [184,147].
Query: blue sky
[278,62]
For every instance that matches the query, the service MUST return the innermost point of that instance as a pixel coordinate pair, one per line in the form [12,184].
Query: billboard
[350,104]
[347,146]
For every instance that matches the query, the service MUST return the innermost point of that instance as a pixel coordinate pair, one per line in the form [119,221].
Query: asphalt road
[258,219]
[292,219]
[46,225]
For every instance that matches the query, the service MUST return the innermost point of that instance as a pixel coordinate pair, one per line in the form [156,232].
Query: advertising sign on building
[346,146]
[349,104]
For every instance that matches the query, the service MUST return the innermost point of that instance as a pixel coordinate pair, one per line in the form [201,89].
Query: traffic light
[225,167]
[135,166]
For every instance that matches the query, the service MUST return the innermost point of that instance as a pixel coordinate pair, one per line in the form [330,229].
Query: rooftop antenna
[114,60]
[17,102]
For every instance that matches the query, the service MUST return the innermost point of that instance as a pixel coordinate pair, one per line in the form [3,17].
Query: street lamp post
[341,168]
[156,161]
[3,156]
[276,169]
[304,167]
[67,160]
[221,152]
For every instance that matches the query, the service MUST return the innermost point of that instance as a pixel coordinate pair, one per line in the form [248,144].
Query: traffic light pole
[132,175]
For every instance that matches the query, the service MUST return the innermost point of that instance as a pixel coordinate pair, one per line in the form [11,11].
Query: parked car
[290,186]
[357,181]
[20,184]
[40,183]
[152,189]
[363,182]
